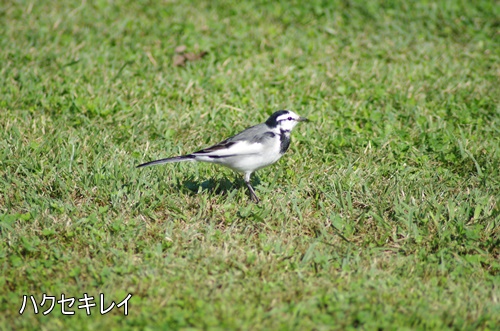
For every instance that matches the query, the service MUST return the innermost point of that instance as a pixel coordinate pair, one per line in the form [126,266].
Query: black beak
[303,119]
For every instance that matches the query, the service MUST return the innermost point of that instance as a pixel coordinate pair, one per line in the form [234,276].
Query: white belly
[257,158]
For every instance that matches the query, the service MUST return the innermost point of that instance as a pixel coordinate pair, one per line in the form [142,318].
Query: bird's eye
[290,118]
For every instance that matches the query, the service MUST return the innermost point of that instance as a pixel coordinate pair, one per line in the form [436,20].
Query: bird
[248,151]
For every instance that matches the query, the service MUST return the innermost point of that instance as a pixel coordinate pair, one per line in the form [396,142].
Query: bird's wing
[216,149]
[249,141]
[231,148]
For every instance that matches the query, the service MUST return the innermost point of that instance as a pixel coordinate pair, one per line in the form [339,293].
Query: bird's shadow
[219,186]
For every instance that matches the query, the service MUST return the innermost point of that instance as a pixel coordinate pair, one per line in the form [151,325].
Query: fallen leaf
[179,60]
[180,49]
[195,56]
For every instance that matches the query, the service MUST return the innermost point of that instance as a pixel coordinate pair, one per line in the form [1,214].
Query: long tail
[168,160]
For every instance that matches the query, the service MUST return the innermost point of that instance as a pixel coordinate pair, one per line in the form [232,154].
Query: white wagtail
[250,150]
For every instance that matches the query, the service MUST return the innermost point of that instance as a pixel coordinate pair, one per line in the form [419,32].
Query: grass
[383,214]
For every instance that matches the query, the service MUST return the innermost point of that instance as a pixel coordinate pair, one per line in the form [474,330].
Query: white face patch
[287,117]
[287,121]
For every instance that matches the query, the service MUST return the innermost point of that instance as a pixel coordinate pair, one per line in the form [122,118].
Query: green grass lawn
[383,215]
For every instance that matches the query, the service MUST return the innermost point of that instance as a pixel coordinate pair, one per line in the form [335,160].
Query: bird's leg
[250,188]
[252,193]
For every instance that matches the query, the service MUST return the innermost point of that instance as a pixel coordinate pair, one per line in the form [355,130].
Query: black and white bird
[250,150]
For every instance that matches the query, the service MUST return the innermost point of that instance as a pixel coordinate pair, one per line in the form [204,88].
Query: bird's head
[285,120]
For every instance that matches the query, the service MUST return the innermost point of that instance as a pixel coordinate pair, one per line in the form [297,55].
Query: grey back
[258,133]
